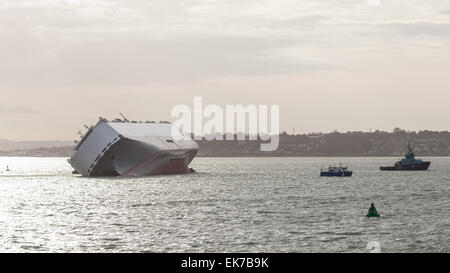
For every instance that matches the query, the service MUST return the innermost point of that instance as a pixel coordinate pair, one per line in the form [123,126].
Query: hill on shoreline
[378,143]
[11,145]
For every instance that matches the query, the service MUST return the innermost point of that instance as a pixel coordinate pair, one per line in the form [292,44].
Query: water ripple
[229,205]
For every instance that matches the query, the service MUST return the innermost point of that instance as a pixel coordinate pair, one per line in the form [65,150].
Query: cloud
[439,29]
[18,110]
[121,43]
[116,61]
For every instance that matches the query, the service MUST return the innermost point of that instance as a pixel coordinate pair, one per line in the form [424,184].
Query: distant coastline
[350,144]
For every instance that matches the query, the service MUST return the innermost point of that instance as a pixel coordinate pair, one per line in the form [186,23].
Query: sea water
[228,205]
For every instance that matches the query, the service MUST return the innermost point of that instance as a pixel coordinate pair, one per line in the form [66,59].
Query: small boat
[409,163]
[336,171]
[372,211]
[7,169]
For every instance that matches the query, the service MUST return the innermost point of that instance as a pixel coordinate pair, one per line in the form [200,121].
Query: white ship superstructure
[124,148]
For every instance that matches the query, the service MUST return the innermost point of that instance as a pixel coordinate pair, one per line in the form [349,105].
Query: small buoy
[372,211]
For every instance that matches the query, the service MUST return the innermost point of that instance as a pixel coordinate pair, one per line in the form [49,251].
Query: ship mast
[124,118]
[409,147]
[410,153]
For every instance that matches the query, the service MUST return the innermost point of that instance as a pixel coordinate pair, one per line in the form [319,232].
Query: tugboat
[409,163]
[336,171]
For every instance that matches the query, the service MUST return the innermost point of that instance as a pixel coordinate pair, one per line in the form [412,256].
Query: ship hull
[136,158]
[336,174]
[413,167]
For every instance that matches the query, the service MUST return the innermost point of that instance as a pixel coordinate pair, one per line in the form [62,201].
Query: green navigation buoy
[372,211]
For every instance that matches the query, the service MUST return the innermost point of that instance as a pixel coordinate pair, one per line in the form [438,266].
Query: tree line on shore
[377,143]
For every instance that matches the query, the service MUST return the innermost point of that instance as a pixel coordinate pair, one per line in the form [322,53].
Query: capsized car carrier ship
[130,148]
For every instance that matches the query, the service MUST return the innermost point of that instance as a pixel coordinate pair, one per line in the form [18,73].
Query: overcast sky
[330,64]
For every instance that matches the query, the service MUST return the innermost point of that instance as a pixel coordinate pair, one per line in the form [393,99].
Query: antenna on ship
[410,149]
[124,118]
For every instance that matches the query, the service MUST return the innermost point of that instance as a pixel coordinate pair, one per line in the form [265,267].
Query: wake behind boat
[124,148]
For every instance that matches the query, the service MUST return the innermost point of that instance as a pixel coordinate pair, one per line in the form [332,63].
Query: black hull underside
[129,157]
